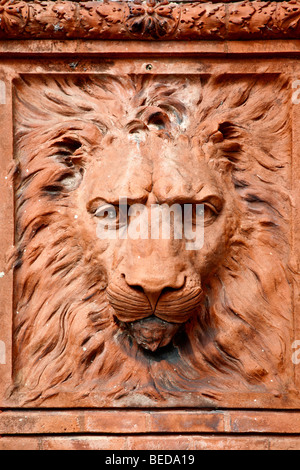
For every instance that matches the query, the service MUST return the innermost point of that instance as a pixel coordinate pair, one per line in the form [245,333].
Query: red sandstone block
[230,443]
[264,422]
[84,443]
[39,422]
[284,443]
[186,421]
[117,422]
[160,443]
[19,443]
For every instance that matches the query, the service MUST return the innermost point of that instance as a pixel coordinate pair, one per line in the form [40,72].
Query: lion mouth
[152,333]
[153,326]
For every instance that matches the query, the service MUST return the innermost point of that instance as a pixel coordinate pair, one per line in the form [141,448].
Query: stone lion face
[117,320]
[154,286]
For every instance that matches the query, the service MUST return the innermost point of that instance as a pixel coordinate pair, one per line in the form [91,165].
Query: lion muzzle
[153,326]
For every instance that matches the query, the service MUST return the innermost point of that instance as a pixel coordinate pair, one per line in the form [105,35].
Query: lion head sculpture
[135,321]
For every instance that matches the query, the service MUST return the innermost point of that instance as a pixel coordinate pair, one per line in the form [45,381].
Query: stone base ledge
[148,422]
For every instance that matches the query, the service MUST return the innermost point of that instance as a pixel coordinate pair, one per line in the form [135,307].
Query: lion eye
[202,213]
[107,212]
[209,213]
[200,210]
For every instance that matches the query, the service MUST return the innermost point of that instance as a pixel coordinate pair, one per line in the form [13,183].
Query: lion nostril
[137,288]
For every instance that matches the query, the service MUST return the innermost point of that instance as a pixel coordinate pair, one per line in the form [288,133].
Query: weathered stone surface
[144,110]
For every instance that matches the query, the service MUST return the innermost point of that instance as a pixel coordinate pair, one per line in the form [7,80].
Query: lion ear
[224,142]
[227,141]
[229,130]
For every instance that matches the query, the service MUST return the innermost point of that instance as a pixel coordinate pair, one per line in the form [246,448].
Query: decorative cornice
[149,19]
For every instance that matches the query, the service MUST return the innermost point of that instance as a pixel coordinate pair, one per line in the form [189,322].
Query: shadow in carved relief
[131,321]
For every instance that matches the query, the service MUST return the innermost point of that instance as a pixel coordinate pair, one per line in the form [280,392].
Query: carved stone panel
[141,321]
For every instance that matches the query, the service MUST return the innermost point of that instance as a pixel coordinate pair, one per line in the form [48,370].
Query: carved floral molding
[150,19]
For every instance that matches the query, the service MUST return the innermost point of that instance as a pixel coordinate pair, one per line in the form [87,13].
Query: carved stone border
[149,19]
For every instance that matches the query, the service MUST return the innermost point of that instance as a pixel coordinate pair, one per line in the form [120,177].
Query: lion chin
[152,333]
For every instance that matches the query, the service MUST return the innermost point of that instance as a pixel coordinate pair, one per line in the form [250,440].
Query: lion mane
[66,343]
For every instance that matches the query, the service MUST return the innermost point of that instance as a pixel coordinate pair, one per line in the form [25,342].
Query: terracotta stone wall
[123,343]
